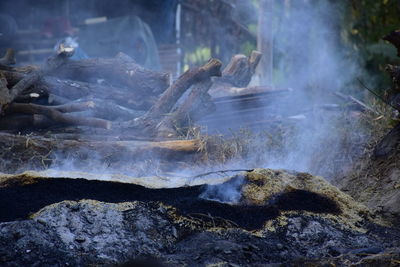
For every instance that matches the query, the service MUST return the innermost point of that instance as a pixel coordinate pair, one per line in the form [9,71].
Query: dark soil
[18,201]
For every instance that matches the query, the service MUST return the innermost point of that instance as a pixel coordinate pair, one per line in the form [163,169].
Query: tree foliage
[365,23]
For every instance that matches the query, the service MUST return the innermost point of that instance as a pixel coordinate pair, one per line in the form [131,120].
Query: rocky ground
[293,219]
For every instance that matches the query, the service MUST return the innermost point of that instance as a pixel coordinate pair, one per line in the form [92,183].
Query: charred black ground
[306,200]
[18,201]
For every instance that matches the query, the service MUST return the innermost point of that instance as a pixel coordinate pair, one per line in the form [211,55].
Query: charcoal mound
[18,200]
[283,217]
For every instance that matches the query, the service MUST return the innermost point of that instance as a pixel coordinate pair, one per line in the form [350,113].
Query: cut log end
[254,59]
[212,68]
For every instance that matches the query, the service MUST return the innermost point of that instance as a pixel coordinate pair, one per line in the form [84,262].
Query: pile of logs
[115,94]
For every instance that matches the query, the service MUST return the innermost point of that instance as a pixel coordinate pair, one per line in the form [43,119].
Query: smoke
[228,192]
[311,58]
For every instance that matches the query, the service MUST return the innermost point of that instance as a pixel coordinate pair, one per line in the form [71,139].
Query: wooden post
[265,41]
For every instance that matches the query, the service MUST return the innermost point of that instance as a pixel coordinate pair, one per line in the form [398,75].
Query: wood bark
[55,114]
[64,90]
[27,81]
[106,147]
[96,105]
[169,98]
[4,92]
[9,57]
[108,110]
[186,146]
[56,99]
[241,69]
[81,90]
[147,125]
[24,122]
[195,105]
[121,71]
[237,73]
[24,84]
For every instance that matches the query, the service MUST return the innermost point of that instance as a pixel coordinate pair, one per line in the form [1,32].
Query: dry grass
[348,137]
[375,127]
[19,152]
[355,135]
[242,145]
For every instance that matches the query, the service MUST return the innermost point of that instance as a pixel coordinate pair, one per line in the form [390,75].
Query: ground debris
[114,223]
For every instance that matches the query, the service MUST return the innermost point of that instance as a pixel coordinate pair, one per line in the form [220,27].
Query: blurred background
[313,49]
[172,35]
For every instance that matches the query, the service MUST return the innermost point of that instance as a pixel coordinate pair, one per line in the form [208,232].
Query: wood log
[12,77]
[74,107]
[27,98]
[24,69]
[98,108]
[9,58]
[186,146]
[27,81]
[106,148]
[53,99]
[394,39]
[57,59]
[36,85]
[199,103]
[24,84]
[241,69]
[82,90]
[108,110]
[169,98]
[24,122]
[120,71]
[67,90]
[237,73]
[195,106]
[57,116]
[146,125]
[4,92]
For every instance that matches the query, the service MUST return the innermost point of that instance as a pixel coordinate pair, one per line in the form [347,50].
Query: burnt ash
[99,233]
[18,201]
[306,200]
